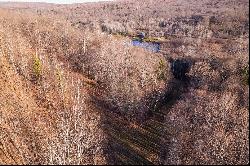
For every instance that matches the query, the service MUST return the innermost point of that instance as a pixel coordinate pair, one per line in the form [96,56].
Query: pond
[151,46]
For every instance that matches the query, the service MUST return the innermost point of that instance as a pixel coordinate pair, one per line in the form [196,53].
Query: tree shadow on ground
[139,140]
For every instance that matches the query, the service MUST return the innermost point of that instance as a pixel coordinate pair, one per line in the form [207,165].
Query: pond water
[154,47]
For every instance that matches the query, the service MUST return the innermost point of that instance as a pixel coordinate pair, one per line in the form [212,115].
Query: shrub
[37,67]
[59,76]
[245,75]
[161,70]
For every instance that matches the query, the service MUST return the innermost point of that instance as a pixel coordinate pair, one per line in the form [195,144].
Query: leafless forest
[74,90]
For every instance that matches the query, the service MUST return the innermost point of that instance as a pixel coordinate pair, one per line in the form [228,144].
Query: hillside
[74,90]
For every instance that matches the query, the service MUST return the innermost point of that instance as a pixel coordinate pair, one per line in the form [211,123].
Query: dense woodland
[73,90]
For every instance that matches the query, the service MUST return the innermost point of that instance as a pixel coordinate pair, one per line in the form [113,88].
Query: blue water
[154,47]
